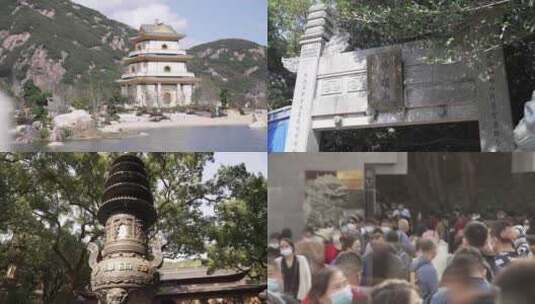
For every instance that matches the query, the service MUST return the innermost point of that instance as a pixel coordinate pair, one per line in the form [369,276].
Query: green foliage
[50,200]
[476,26]
[239,66]
[224,98]
[66,133]
[36,100]
[286,21]
[73,36]
[81,103]
[240,224]
[44,134]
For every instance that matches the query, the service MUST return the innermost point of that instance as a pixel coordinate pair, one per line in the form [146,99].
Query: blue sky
[254,162]
[201,20]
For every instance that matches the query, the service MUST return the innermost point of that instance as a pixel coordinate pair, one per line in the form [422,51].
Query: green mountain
[237,65]
[74,51]
[57,43]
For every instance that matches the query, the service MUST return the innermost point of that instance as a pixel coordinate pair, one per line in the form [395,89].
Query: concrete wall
[523,162]
[286,184]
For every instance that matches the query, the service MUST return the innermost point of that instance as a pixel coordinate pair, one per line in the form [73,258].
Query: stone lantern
[121,272]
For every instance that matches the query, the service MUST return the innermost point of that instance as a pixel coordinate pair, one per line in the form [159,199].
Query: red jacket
[330,253]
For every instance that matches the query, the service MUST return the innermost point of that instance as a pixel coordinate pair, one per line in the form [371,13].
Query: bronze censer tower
[121,272]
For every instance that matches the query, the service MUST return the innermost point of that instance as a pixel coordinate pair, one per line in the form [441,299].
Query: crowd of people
[397,259]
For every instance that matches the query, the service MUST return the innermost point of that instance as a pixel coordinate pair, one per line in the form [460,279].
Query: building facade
[293,174]
[155,74]
[391,86]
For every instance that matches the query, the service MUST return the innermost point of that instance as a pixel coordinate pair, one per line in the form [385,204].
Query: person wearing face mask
[274,240]
[330,286]
[275,294]
[295,270]
[350,263]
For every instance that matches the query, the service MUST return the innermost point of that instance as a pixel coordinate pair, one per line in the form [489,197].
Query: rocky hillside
[68,49]
[234,64]
[57,42]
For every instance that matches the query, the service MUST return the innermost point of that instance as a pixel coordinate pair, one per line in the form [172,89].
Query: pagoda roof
[199,275]
[157,31]
[162,80]
[196,281]
[157,28]
[159,58]
[127,191]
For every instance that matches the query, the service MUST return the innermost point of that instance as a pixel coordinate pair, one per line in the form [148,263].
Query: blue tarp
[277,129]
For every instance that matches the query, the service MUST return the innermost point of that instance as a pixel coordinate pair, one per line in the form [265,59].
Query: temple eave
[157,58]
[162,80]
[144,37]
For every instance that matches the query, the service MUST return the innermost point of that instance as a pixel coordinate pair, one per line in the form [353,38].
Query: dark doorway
[427,138]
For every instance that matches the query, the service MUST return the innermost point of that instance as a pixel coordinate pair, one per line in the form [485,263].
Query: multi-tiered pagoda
[155,73]
[121,271]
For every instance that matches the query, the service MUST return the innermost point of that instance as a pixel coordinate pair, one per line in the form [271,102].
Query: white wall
[178,69]
[155,45]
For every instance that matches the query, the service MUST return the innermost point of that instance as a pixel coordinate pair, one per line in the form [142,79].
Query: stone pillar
[188,92]
[318,31]
[159,95]
[179,95]
[370,193]
[495,120]
[139,96]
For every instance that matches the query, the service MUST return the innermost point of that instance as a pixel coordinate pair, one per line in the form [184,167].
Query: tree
[476,26]
[36,99]
[286,19]
[224,97]
[238,233]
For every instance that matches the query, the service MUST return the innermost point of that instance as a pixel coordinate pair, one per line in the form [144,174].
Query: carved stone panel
[385,81]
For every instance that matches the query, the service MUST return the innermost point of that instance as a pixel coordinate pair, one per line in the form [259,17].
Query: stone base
[136,296]
[141,297]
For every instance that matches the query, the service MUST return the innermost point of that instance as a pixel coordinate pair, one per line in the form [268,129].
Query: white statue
[524,133]
[338,43]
